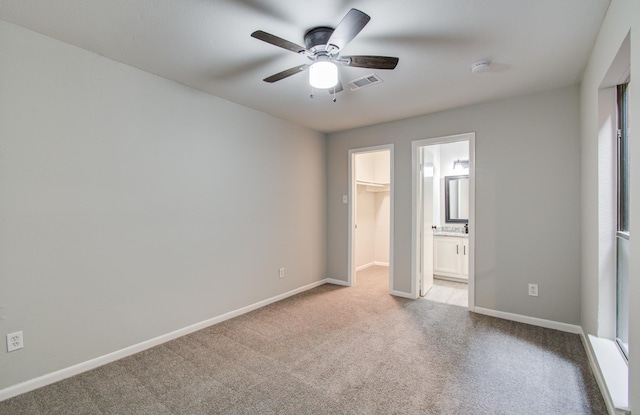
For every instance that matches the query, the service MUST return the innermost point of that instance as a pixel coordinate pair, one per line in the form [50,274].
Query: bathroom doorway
[443,217]
[371,212]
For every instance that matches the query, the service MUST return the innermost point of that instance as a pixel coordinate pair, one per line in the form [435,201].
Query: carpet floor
[339,350]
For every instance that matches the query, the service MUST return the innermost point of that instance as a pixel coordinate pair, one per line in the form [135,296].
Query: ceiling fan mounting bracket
[321,56]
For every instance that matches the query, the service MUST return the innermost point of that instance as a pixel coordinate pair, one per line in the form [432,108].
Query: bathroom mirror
[456,199]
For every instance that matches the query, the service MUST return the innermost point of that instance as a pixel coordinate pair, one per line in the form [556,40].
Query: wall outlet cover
[14,341]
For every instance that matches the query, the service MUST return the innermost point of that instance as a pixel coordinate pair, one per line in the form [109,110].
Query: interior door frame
[416,240]
[351,277]
[419,177]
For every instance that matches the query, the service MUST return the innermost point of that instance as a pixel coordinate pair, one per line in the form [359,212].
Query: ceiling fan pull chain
[311,96]
[334,94]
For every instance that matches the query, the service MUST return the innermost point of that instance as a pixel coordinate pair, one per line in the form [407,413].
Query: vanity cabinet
[451,257]
[465,258]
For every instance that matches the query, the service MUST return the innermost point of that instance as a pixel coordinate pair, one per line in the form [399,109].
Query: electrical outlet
[14,341]
[533,290]
[281,272]
[345,199]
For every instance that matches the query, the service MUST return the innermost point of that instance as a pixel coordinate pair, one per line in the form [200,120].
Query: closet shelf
[374,186]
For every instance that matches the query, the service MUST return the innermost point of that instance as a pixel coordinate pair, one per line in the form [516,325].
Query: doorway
[371,211]
[443,200]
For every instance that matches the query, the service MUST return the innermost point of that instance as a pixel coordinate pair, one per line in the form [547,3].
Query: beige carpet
[338,350]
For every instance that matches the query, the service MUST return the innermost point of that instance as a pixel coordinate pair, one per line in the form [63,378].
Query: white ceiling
[206,44]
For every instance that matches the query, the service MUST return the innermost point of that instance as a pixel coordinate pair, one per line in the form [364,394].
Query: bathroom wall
[449,153]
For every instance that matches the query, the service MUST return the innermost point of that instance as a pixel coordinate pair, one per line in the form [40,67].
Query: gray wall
[527,199]
[131,206]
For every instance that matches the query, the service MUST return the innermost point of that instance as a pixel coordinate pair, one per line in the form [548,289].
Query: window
[622,234]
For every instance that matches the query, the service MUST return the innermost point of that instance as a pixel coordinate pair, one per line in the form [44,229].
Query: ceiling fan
[322,47]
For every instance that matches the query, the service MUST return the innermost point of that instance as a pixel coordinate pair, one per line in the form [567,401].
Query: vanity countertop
[448,233]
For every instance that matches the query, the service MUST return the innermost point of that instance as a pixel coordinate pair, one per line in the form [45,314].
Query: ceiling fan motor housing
[316,38]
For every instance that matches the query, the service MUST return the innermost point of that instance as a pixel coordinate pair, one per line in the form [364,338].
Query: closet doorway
[371,211]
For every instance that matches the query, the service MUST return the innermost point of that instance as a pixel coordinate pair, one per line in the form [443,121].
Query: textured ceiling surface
[206,44]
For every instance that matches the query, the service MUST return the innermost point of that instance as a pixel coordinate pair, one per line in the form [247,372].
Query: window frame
[622,202]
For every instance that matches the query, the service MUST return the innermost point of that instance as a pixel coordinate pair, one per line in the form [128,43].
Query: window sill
[614,370]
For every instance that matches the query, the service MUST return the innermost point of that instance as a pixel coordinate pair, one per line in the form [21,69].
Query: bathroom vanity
[451,256]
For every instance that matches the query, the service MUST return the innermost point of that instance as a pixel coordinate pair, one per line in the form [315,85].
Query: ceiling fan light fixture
[323,75]
[460,164]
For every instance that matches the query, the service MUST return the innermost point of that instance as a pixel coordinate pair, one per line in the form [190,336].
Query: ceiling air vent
[364,81]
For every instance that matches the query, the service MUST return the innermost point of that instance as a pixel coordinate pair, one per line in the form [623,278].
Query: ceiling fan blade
[348,28]
[373,62]
[277,41]
[286,73]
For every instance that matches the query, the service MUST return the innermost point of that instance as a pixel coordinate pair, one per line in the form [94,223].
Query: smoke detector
[481,66]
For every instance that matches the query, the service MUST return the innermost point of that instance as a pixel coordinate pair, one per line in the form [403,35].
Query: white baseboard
[67,372]
[403,294]
[371,264]
[365,266]
[336,282]
[534,321]
[448,278]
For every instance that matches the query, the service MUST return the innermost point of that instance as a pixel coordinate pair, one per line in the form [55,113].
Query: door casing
[351,278]
[416,239]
